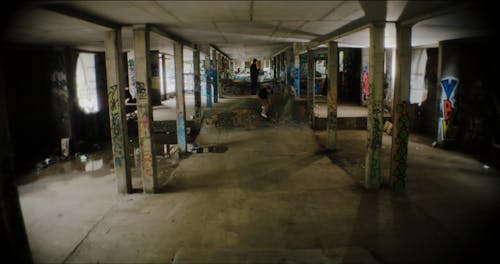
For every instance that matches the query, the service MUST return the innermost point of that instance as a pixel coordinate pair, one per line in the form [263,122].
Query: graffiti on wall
[447,107]
[400,153]
[365,85]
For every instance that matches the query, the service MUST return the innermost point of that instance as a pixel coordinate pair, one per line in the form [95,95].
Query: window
[86,88]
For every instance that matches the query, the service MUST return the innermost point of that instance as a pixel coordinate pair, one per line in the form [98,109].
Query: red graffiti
[366,85]
[447,109]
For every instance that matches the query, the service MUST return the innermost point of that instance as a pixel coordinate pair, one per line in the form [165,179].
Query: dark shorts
[263,94]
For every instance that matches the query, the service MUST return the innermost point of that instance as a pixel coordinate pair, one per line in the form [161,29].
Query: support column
[180,100]
[333,70]
[155,78]
[131,74]
[164,80]
[208,79]
[220,72]
[400,119]
[448,77]
[296,73]
[274,68]
[278,67]
[310,86]
[197,87]
[375,111]
[14,241]
[116,103]
[213,70]
[144,110]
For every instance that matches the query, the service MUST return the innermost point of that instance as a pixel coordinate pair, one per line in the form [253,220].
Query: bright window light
[86,88]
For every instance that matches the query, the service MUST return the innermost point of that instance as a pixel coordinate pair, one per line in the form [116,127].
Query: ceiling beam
[82,15]
[353,27]
[169,35]
[220,51]
[407,18]
[282,50]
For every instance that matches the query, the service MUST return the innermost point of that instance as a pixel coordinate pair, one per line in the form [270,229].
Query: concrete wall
[476,116]
[473,113]
[42,106]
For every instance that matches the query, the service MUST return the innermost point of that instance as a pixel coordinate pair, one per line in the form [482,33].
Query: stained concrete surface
[274,188]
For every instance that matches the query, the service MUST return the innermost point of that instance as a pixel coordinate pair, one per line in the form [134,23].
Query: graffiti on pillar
[147,163]
[400,153]
[297,81]
[365,85]
[375,137]
[447,107]
[116,124]
[131,74]
[144,121]
[141,91]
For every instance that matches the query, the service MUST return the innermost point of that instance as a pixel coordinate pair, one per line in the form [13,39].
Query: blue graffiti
[449,84]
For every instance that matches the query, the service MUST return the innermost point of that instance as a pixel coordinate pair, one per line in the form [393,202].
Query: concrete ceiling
[241,29]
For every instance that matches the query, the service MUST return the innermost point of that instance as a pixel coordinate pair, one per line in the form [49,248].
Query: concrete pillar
[310,86]
[278,67]
[220,72]
[116,104]
[144,110]
[274,68]
[59,96]
[448,79]
[131,74]
[400,119]
[287,60]
[333,69]
[155,78]
[296,73]
[180,100]
[208,79]
[14,241]
[213,70]
[197,87]
[375,110]
[164,79]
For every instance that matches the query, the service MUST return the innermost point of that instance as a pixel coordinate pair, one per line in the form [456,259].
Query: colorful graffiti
[116,125]
[365,85]
[400,147]
[447,108]
[374,142]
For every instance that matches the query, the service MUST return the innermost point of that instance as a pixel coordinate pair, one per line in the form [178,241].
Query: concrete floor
[274,188]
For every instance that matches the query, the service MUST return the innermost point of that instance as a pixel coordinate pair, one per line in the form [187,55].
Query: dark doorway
[349,75]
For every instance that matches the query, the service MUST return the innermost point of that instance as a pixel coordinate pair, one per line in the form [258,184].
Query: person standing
[254,77]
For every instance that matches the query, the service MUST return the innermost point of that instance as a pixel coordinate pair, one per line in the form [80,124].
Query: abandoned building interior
[129,132]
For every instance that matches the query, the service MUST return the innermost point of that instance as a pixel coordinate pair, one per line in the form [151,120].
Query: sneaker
[263,115]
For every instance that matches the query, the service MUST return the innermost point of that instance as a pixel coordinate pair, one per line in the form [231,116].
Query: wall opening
[86,87]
